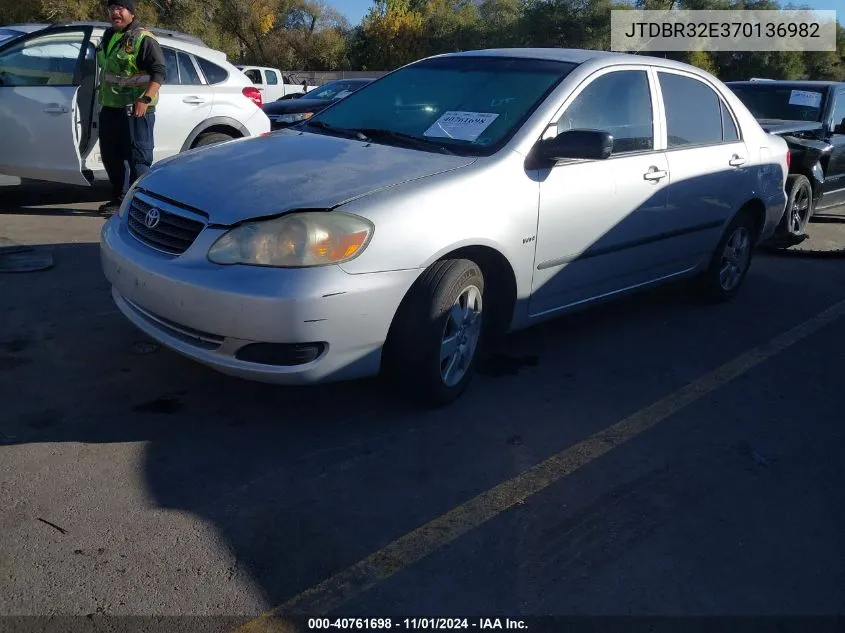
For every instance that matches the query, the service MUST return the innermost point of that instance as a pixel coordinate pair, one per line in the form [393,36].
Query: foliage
[311,35]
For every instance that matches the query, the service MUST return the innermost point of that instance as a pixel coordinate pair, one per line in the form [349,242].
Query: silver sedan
[456,199]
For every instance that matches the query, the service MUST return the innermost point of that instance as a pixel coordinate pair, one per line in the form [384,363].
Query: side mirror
[583,144]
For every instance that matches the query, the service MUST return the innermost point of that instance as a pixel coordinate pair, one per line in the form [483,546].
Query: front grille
[174,232]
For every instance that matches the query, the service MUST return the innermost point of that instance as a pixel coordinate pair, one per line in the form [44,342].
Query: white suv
[49,105]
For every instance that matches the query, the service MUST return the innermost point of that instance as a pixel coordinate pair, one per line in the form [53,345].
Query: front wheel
[731,260]
[431,350]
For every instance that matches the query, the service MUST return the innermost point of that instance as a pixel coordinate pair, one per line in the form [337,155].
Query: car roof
[155,30]
[806,83]
[582,57]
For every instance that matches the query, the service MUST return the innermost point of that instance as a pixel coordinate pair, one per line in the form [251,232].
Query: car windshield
[782,102]
[469,105]
[7,34]
[333,90]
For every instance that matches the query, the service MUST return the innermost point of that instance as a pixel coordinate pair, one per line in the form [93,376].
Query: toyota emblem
[152,218]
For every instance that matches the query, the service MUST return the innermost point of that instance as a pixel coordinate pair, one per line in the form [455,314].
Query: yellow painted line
[427,539]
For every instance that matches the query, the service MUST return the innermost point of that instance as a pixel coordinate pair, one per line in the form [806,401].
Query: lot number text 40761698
[416,623]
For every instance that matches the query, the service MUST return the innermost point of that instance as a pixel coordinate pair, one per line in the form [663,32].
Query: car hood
[292,106]
[287,170]
[780,126]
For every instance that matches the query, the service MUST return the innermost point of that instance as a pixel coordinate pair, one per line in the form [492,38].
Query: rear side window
[172,77]
[272,78]
[214,74]
[187,71]
[693,111]
[729,131]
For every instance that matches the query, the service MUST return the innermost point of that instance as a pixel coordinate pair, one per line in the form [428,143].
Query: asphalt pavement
[136,482]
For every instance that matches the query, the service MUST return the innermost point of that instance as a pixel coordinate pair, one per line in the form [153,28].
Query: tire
[799,209]
[731,260]
[211,138]
[442,313]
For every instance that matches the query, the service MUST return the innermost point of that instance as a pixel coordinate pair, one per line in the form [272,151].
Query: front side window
[467,104]
[839,114]
[48,60]
[619,103]
[254,75]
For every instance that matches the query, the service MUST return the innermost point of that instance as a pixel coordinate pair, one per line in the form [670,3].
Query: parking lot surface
[135,482]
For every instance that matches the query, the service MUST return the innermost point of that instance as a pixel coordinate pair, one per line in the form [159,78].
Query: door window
[48,60]
[272,78]
[214,74]
[188,74]
[729,131]
[618,102]
[694,112]
[172,65]
[839,114]
[254,75]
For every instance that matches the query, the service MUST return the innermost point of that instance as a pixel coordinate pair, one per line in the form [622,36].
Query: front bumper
[209,312]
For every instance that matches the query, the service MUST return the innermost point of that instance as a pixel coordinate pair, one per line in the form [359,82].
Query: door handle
[56,109]
[736,160]
[194,100]
[655,174]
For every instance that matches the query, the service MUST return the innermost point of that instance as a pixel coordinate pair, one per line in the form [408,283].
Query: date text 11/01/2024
[416,623]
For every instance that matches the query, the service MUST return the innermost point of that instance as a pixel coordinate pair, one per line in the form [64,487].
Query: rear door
[709,164]
[185,101]
[41,119]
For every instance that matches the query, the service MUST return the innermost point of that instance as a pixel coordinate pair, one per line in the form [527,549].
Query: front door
[42,120]
[597,218]
[834,181]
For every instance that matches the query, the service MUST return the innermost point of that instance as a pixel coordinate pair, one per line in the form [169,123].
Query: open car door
[42,120]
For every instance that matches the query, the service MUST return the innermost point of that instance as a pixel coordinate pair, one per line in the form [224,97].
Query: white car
[274,84]
[49,106]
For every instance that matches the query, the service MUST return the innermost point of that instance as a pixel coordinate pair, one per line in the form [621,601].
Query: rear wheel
[212,138]
[799,207]
[731,259]
[431,350]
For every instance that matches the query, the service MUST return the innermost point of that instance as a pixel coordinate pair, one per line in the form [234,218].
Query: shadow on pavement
[33,197]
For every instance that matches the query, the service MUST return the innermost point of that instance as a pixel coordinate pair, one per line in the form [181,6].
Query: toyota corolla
[460,197]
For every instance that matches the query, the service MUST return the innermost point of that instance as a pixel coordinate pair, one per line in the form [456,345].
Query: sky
[355,10]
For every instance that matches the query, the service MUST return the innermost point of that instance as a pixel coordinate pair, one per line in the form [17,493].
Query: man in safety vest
[132,69]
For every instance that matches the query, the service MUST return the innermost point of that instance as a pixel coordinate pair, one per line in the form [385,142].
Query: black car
[810,116]
[285,112]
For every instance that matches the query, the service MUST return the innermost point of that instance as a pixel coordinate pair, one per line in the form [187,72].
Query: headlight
[295,240]
[292,118]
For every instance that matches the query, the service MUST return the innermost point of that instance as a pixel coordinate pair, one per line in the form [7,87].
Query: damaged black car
[810,116]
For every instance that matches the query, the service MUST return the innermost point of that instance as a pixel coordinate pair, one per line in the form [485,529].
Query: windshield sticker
[463,126]
[805,98]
